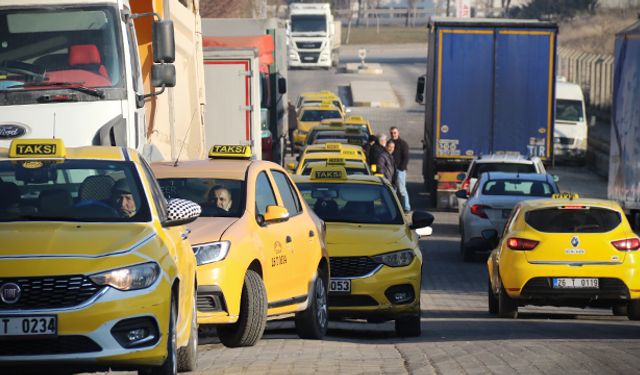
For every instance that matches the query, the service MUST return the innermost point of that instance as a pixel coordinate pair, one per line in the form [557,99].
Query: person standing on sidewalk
[386,164]
[401,158]
[377,149]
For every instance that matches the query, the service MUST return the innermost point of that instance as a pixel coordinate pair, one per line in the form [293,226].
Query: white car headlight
[129,278]
[211,252]
[396,259]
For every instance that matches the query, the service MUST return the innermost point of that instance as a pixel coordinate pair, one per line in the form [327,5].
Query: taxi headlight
[129,278]
[396,259]
[211,252]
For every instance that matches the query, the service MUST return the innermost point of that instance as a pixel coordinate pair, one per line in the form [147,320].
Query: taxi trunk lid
[575,249]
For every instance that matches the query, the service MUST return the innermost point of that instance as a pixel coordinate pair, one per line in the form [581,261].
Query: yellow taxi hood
[71,239]
[372,237]
[209,229]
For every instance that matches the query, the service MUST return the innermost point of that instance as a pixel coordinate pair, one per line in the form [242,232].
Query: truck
[103,72]
[489,88]
[571,125]
[269,36]
[314,36]
[624,152]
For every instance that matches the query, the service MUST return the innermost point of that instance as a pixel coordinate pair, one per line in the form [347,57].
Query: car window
[352,203]
[319,114]
[569,110]
[517,187]
[481,168]
[218,197]
[287,193]
[578,219]
[264,194]
[350,170]
[158,198]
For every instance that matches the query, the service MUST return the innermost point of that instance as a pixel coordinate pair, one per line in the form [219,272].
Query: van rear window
[573,220]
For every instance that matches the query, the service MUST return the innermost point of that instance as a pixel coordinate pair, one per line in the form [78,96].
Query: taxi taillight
[628,244]
[466,184]
[515,243]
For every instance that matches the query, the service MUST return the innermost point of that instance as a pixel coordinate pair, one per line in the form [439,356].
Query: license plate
[307,58]
[575,283]
[38,325]
[340,286]
[506,213]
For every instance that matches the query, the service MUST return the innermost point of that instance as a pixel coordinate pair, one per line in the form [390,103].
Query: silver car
[490,203]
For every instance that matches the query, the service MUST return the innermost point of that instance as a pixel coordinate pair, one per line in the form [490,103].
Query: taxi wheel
[633,309]
[507,306]
[408,326]
[620,310]
[492,299]
[253,315]
[312,323]
[170,365]
[188,355]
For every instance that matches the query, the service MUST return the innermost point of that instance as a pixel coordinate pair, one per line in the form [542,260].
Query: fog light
[400,294]
[136,332]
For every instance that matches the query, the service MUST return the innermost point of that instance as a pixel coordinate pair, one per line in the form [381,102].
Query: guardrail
[593,72]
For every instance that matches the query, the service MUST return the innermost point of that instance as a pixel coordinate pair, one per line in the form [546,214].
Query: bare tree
[504,4]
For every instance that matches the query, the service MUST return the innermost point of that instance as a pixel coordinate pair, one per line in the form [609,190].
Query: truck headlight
[129,278]
[211,252]
[399,258]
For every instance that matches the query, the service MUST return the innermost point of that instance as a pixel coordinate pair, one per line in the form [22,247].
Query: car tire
[188,355]
[492,299]
[408,326]
[620,310]
[253,315]
[633,309]
[170,365]
[507,306]
[312,323]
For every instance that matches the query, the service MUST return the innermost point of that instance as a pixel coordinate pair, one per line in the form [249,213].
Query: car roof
[87,152]
[516,176]
[351,163]
[551,202]
[229,169]
[503,158]
[358,179]
[319,107]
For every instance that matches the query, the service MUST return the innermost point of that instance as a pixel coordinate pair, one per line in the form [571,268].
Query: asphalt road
[459,336]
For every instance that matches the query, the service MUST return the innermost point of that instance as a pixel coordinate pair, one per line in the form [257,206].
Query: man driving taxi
[122,199]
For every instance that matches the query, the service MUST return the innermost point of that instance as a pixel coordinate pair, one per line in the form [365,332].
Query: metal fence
[593,72]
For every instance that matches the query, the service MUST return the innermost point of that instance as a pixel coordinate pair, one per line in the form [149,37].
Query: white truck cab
[571,127]
[313,36]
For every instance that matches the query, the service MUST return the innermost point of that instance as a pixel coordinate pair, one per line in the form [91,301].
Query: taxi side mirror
[491,237]
[374,168]
[181,211]
[556,178]
[462,194]
[276,214]
[421,219]
[291,166]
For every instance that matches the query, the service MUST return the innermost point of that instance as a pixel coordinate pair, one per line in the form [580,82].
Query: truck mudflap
[447,185]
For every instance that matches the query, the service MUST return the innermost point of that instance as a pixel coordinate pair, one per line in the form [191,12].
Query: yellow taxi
[310,116]
[314,98]
[96,265]
[321,134]
[326,151]
[565,252]
[376,263]
[260,249]
[352,167]
[350,122]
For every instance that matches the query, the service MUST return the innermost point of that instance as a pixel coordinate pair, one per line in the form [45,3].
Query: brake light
[515,243]
[466,184]
[574,207]
[628,244]
[478,210]
[446,185]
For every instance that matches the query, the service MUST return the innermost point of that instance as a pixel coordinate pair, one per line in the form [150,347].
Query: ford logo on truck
[8,131]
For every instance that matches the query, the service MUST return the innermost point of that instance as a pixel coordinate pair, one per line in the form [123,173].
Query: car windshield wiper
[64,85]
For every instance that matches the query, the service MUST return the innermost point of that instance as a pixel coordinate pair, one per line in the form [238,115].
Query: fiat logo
[8,131]
[10,293]
[575,241]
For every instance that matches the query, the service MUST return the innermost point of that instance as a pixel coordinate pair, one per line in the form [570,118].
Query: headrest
[83,54]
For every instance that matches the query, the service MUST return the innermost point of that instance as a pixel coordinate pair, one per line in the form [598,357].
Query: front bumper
[562,152]
[371,296]
[219,292]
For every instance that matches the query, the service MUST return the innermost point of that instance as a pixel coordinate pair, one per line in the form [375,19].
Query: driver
[220,197]
[122,199]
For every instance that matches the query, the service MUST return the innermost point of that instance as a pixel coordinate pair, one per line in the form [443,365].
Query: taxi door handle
[311,233]
[289,239]
[185,234]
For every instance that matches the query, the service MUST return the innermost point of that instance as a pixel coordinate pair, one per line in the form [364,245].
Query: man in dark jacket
[401,158]
[385,162]
[377,149]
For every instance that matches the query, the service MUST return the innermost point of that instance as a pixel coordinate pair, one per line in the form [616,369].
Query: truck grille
[49,346]
[352,266]
[50,292]
[308,45]
[309,57]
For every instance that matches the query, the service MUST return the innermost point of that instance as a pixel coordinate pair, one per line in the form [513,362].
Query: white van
[570,134]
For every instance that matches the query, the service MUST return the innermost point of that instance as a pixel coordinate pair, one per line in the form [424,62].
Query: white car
[490,204]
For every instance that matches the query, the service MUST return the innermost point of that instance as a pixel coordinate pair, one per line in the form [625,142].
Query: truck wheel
[170,365]
[312,323]
[491,299]
[633,309]
[253,315]
[188,355]
[507,307]
[408,326]
[620,310]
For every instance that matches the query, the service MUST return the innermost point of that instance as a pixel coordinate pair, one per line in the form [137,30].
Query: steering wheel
[23,70]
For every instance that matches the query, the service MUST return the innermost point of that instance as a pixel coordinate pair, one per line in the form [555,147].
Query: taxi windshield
[71,190]
[218,197]
[352,203]
[319,114]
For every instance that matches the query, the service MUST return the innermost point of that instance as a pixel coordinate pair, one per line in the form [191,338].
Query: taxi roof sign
[328,173]
[230,152]
[336,161]
[565,196]
[37,148]
[332,146]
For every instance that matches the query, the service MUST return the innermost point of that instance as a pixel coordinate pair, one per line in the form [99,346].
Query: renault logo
[575,241]
[10,293]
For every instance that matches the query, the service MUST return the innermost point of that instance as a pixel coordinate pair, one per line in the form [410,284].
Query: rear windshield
[350,171]
[517,187]
[481,168]
[581,220]
[319,115]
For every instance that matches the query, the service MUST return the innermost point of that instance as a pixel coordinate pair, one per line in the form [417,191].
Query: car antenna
[175,164]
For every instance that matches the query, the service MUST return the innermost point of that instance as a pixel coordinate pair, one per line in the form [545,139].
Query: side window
[288,193]
[157,195]
[264,194]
